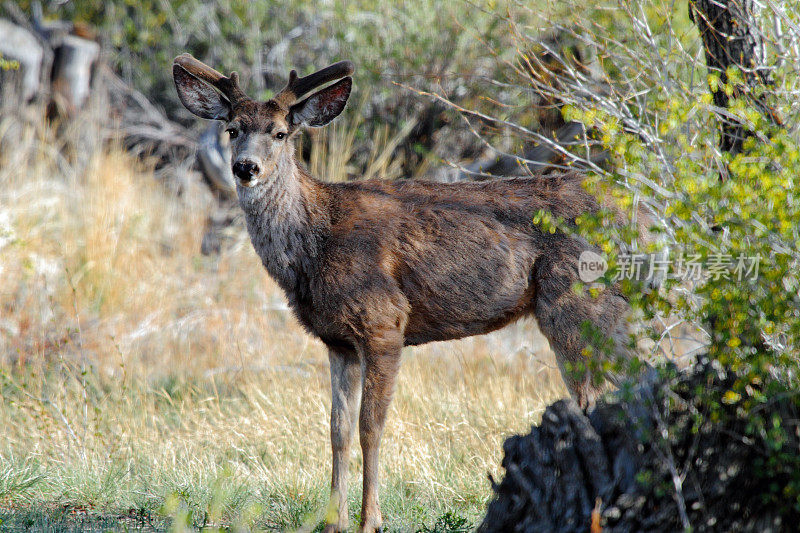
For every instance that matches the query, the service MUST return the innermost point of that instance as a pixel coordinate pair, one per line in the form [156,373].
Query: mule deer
[371,266]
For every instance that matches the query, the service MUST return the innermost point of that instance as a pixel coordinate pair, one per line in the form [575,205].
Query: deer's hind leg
[561,314]
[346,383]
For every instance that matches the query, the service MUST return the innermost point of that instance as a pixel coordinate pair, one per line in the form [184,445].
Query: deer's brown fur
[371,266]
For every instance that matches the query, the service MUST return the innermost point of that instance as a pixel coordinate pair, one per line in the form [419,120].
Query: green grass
[251,451]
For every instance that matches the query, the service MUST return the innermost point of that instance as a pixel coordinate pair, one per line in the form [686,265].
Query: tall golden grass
[137,374]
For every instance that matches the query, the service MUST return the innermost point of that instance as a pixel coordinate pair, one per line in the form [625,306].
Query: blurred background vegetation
[432,45]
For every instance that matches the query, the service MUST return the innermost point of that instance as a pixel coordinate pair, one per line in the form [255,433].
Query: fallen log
[554,143]
[535,159]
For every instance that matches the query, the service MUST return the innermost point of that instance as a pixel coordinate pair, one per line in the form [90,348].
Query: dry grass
[137,374]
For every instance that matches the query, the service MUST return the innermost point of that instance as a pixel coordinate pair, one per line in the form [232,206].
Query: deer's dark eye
[280,135]
[233,132]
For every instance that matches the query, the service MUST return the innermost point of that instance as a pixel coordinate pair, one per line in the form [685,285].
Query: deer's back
[508,201]
[458,257]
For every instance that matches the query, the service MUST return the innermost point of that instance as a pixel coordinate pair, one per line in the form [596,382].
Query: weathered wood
[214,157]
[536,157]
[145,127]
[73,61]
[620,464]
[21,59]
[221,231]
[545,66]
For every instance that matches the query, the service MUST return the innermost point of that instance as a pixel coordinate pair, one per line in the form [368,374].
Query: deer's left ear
[322,106]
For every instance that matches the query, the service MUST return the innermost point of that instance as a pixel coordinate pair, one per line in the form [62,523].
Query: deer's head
[260,132]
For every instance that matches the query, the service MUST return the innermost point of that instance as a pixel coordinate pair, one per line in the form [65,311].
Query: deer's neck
[286,221]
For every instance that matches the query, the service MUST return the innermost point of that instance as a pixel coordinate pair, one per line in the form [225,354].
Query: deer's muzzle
[245,170]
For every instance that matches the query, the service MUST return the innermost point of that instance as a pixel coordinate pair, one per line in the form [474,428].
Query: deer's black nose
[245,170]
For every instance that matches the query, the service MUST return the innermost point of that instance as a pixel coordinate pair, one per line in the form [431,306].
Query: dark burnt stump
[661,458]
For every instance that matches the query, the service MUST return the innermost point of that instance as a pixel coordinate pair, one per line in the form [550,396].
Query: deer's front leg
[380,370]
[346,383]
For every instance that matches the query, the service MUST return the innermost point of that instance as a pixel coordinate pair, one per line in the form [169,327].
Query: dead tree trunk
[731,38]
[72,72]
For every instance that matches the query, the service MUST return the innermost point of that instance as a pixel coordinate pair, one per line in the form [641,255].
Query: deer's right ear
[199,97]
[321,107]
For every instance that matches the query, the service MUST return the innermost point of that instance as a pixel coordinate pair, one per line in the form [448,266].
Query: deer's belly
[459,312]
